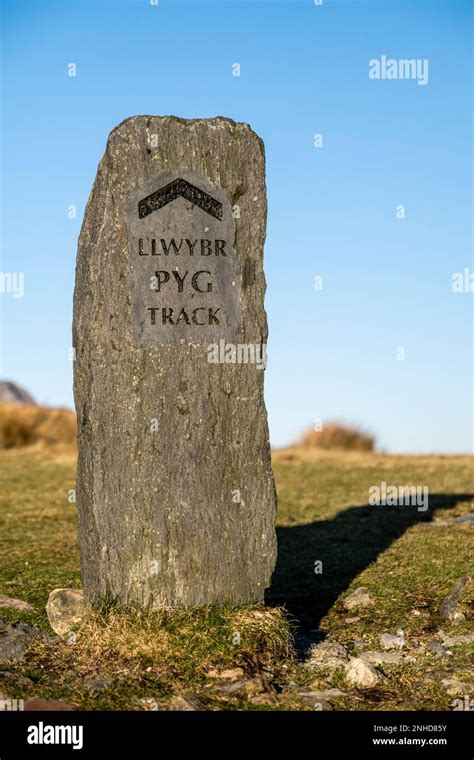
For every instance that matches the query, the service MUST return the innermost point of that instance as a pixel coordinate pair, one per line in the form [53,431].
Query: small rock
[248,686]
[438,649]
[65,609]
[381,658]
[231,674]
[324,695]
[185,703]
[15,604]
[457,688]
[265,699]
[362,674]
[49,705]
[454,641]
[328,655]
[389,641]
[359,598]
[464,519]
[351,620]
[449,609]
[14,640]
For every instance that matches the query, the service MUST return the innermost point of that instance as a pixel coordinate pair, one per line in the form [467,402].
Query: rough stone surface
[390,641]
[456,641]
[438,649]
[14,640]
[168,441]
[246,686]
[65,609]
[15,604]
[358,599]
[186,703]
[381,658]
[362,674]
[328,655]
[464,519]
[449,609]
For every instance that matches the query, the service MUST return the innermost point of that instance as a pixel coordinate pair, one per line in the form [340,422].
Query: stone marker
[175,494]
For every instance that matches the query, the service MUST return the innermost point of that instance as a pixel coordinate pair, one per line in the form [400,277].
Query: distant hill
[11,393]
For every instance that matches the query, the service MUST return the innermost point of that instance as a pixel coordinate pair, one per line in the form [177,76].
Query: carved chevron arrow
[175,189]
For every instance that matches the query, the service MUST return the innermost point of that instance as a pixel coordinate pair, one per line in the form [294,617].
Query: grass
[407,563]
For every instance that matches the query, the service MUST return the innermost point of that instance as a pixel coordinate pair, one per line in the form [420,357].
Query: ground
[130,659]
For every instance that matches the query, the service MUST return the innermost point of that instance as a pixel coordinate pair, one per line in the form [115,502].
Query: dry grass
[338,436]
[30,425]
[145,653]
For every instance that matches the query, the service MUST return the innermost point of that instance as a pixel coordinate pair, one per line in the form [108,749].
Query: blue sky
[332,210]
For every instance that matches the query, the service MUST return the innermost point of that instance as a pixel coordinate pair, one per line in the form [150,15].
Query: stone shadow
[346,545]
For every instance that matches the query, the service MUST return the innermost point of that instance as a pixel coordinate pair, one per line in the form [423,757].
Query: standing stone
[175,490]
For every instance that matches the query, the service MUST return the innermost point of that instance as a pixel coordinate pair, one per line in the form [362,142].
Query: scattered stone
[47,705]
[389,641]
[186,703]
[14,640]
[328,655]
[362,674]
[232,674]
[455,641]
[321,694]
[464,519]
[65,609]
[381,658]
[15,604]
[438,649]
[247,686]
[359,598]
[457,688]
[441,673]
[449,609]
[351,620]
[265,699]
